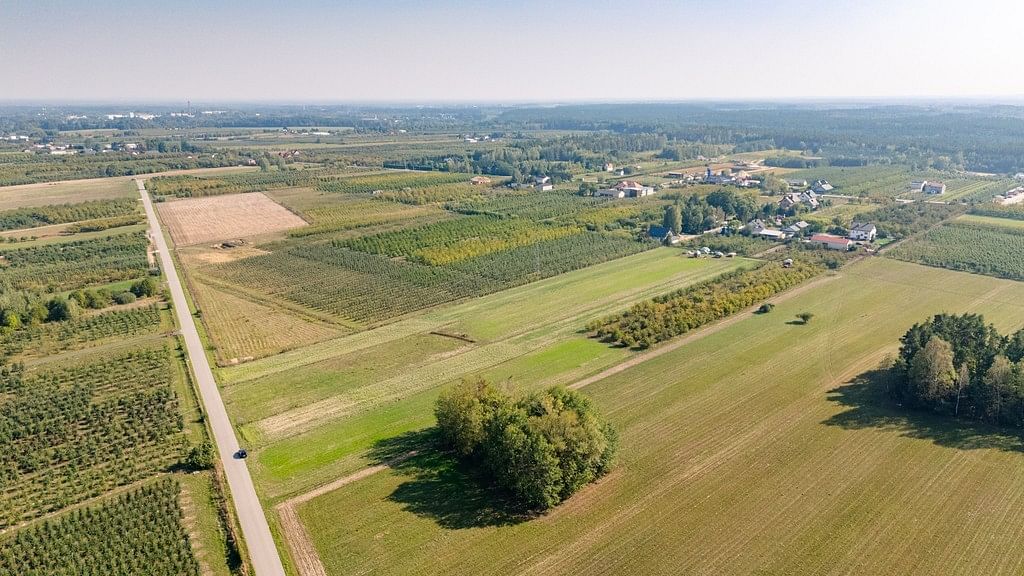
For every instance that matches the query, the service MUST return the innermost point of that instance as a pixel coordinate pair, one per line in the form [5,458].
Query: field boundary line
[300,543]
[698,334]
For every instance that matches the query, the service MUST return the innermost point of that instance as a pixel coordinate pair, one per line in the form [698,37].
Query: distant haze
[462,50]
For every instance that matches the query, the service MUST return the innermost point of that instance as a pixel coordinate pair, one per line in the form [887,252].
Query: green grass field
[991,221]
[762,448]
[311,413]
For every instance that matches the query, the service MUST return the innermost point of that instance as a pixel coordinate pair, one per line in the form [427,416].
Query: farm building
[934,188]
[796,183]
[609,193]
[863,232]
[832,242]
[1014,196]
[479,180]
[917,185]
[609,167]
[633,189]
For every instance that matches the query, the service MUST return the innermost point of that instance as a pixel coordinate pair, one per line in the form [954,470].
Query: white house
[634,189]
[821,186]
[934,188]
[863,232]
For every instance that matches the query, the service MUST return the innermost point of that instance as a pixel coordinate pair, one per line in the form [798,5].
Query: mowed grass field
[758,449]
[69,192]
[311,414]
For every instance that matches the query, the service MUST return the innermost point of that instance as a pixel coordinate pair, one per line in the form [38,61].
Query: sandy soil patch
[200,220]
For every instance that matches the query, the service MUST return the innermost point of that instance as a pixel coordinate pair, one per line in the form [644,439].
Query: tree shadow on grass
[869,405]
[443,488]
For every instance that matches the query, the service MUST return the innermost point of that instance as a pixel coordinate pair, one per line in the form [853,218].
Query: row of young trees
[541,448]
[961,366]
[675,313]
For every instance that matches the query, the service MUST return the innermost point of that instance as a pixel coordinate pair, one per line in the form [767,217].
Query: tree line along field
[716,445]
[972,246]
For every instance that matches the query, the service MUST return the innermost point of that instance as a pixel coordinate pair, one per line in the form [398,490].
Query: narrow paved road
[262,551]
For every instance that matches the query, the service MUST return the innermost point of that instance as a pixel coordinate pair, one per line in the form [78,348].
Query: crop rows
[63,213]
[550,257]
[389,182]
[362,287]
[968,247]
[455,240]
[76,432]
[532,206]
[357,213]
[52,338]
[371,288]
[71,265]
[875,181]
[139,532]
[195,187]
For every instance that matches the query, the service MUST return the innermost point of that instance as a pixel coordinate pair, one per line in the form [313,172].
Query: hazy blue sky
[464,50]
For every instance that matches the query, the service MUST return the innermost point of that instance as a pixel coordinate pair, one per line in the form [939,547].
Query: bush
[124,298]
[60,309]
[145,287]
[766,308]
[542,448]
[805,317]
[200,457]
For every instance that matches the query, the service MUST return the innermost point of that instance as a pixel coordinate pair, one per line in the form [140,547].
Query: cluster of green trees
[901,220]
[25,309]
[675,313]
[961,366]
[541,447]
[697,214]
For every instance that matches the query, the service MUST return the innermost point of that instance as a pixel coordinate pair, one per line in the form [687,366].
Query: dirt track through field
[307,560]
[700,333]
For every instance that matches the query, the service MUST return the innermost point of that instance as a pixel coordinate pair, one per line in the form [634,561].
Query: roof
[829,239]
[862,227]
[628,184]
[771,233]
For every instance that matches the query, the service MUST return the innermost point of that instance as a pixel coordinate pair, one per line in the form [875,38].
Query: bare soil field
[200,220]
